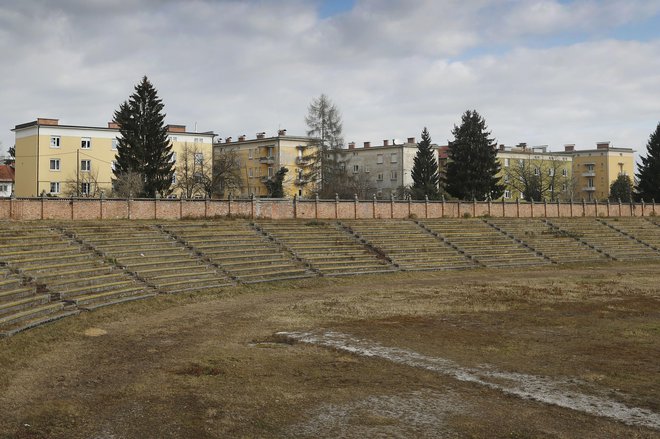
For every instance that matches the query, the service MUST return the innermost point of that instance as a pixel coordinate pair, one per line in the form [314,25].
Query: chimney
[411,140]
[261,135]
[44,121]
[602,145]
[281,132]
[241,138]
[351,145]
[386,142]
[227,139]
[113,125]
[569,147]
[522,145]
[367,144]
[176,128]
[501,146]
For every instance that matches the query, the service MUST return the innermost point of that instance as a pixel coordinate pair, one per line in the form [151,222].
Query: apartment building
[524,166]
[260,159]
[595,170]
[51,158]
[386,168]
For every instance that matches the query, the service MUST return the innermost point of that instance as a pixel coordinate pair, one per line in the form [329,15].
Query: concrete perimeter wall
[97,209]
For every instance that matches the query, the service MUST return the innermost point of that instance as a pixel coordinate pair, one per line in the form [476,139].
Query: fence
[166,209]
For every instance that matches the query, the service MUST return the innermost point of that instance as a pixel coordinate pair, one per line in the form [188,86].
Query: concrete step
[16,292]
[8,322]
[66,294]
[22,303]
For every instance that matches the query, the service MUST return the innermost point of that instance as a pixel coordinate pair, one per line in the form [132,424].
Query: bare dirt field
[516,353]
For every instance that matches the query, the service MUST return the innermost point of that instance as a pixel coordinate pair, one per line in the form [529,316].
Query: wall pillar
[336,206]
[251,206]
[443,206]
[43,195]
[608,207]
[531,208]
[295,206]
[545,208]
[373,207]
[643,207]
[596,208]
[391,206]
[316,206]
[355,206]
[426,206]
[517,207]
[229,205]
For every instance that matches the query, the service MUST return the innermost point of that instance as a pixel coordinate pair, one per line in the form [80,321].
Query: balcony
[589,174]
[589,188]
[268,160]
[303,161]
[266,178]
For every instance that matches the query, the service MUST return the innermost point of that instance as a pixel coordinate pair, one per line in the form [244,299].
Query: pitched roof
[7,173]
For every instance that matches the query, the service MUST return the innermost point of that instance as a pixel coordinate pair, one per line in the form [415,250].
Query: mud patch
[557,392]
[420,414]
[95,332]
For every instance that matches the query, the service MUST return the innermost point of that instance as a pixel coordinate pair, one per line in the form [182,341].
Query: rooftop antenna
[195,126]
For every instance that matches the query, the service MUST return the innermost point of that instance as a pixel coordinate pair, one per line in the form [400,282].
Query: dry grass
[208,365]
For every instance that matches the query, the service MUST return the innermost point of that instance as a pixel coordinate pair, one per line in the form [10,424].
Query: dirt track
[208,366]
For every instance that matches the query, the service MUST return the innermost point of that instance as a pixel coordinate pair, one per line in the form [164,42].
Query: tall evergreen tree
[327,167]
[648,177]
[143,146]
[621,189]
[425,170]
[473,168]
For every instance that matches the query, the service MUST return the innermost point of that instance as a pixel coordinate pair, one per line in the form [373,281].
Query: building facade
[260,158]
[595,170]
[7,176]
[68,160]
[384,170]
[535,173]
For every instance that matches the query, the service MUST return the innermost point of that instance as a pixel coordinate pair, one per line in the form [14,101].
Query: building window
[4,187]
[54,141]
[564,187]
[115,142]
[564,172]
[174,139]
[590,182]
[174,178]
[551,172]
[85,188]
[54,187]
[173,159]
[537,171]
[113,165]
[271,171]
[199,158]
[379,159]
[506,162]
[393,157]
[393,175]
[507,193]
[506,178]
[356,169]
[380,176]
[85,165]
[54,164]
[250,153]
[251,172]
[366,169]
[198,140]
[85,143]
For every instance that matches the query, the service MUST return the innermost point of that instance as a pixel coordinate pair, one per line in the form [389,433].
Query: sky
[542,72]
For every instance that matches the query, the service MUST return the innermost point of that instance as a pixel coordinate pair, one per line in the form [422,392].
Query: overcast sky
[541,72]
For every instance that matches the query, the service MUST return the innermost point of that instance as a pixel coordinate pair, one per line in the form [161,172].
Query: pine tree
[327,168]
[143,146]
[425,170]
[648,177]
[621,189]
[473,168]
[275,186]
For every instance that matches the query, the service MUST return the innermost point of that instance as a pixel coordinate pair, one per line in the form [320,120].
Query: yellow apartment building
[594,170]
[50,157]
[260,159]
[521,164]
